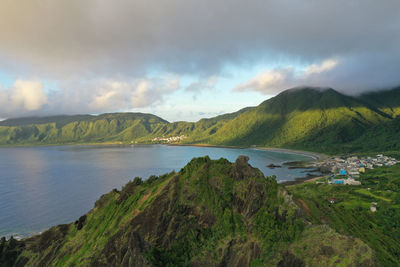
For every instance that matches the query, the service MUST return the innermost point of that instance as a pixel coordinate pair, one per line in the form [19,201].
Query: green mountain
[210,213]
[307,118]
[79,129]
[322,120]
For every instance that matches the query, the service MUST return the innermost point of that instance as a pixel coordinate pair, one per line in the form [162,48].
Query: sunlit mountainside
[304,118]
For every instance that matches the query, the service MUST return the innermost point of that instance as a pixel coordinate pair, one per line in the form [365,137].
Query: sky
[187,59]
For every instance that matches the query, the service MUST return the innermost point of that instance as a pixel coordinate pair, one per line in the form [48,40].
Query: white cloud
[268,82]
[109,95]
[275,80]
[326,65]
[28,95]
[23,96]
[93,96]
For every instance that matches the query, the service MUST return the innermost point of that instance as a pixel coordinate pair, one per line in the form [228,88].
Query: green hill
[306,118]
[210,213]
[351,214]
[322,120]
[79,129]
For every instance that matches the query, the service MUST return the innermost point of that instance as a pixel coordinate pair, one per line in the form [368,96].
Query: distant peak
[309,88]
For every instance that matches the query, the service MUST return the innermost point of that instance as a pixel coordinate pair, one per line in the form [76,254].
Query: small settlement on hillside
[347,170]
[168,140]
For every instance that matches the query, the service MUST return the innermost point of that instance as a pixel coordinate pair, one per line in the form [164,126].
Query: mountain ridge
[212,212]
[306,118]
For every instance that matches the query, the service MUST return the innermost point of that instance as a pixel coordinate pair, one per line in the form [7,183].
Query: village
[169,139]
[346,171]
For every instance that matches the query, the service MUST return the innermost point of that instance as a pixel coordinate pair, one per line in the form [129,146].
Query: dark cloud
[97,36]
[95,39]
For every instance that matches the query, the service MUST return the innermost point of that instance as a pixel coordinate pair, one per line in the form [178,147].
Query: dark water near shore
[45,186]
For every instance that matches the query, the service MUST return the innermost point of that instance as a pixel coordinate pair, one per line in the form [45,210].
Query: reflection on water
[44,186]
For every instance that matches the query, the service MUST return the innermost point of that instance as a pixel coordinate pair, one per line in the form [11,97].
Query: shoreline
[314,155]
[207,145]
[24,235]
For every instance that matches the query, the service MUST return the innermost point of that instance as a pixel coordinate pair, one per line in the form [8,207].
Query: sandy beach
[316,156]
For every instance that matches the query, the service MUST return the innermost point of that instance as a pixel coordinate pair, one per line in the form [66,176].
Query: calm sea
[44,186]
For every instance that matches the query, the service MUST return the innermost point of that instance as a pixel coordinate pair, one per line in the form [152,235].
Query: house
[354,172]
[338,181]
[362,169]
[331,200]
[373,206]
[351,181]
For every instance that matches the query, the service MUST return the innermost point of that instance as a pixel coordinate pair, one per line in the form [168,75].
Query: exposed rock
[80,222]
[241,169]
[273,166]
[290,260]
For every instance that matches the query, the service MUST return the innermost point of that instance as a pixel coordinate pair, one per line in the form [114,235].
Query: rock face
[273,166]
[211,213]
[241,169]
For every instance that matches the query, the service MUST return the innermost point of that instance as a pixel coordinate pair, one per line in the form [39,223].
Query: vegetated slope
[382,137]
[59,120]
[387,101]
[199,132]
[351,214]
[211,213]
[322,120]
[306,118]
[79,129]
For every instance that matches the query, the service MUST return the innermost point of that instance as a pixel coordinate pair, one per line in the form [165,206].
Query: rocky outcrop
[241,169]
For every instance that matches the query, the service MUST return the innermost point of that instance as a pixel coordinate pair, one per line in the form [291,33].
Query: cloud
[268,82]
[275,80]
[96,38]
[326,65]
[109,95]
[102,53]
[92,96]
[202,85]
[23,95]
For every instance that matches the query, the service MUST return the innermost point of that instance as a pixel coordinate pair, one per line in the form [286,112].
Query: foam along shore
[314,155]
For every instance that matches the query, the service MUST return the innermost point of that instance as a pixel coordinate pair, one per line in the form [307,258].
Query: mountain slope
[304,118]
[79,129]
[386,101]
[212,213]
[322,120]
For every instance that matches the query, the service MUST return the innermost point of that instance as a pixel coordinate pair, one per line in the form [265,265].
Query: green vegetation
[303,118]
[210,213]
[322,246]
[351,214]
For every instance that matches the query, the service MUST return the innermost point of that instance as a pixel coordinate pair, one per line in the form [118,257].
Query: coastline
[208,145]
[316,156]
[23,235]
